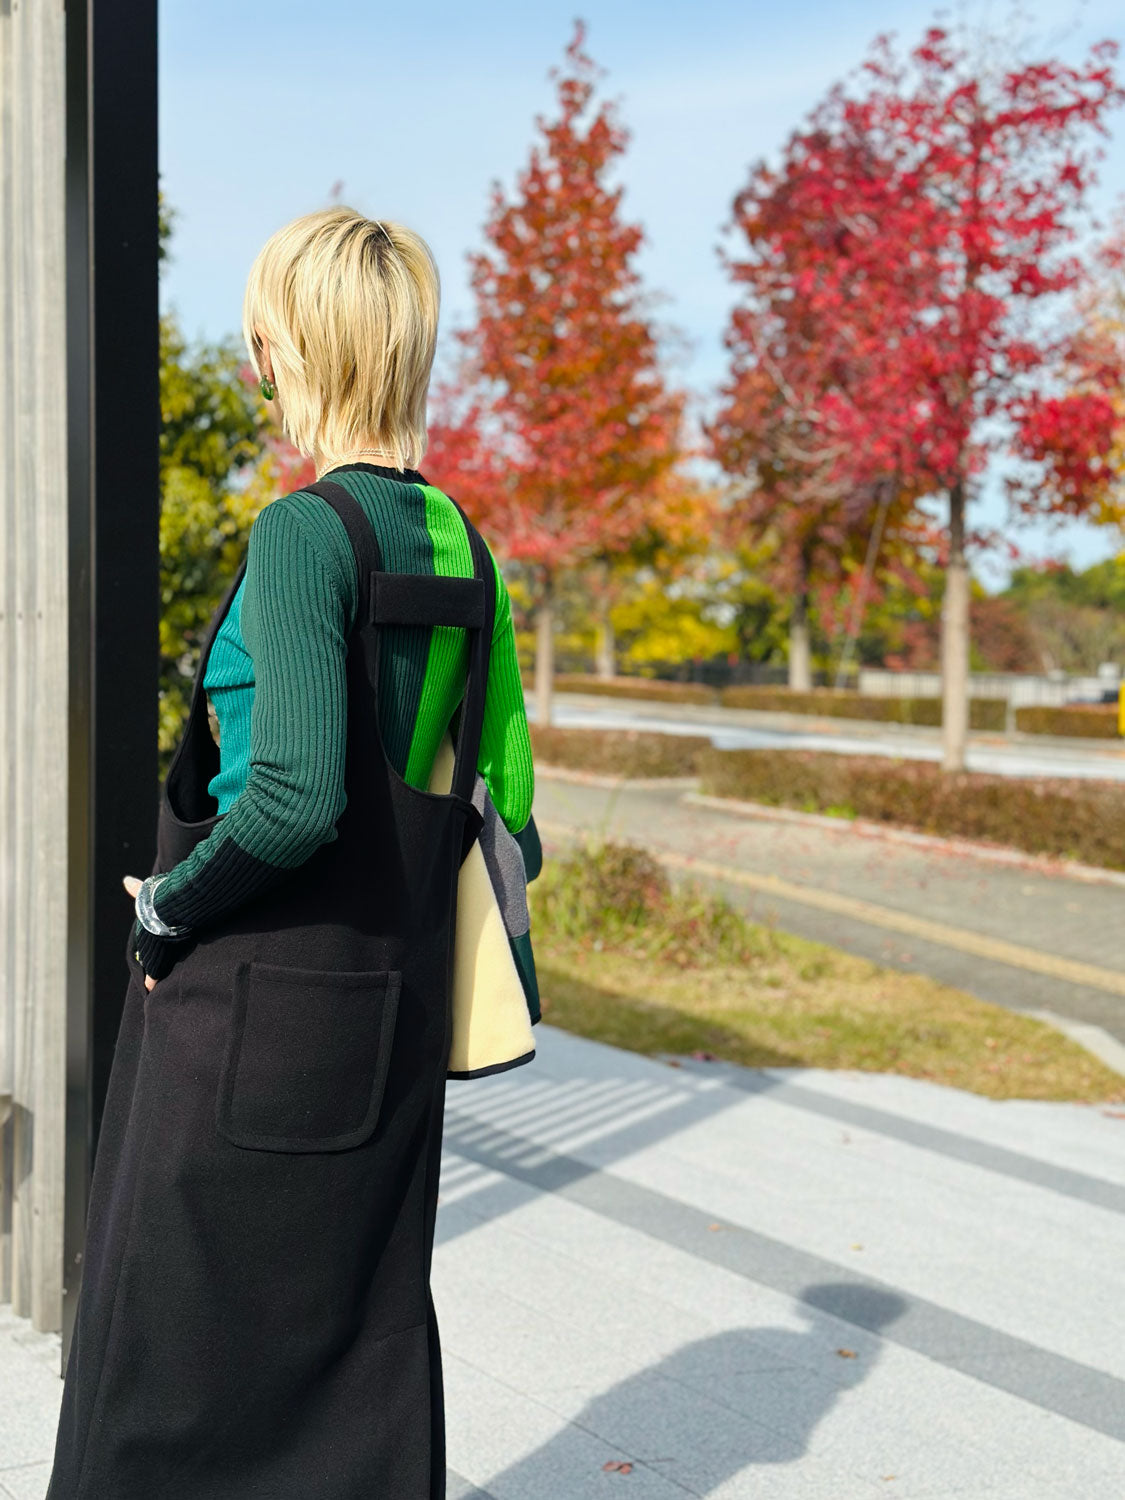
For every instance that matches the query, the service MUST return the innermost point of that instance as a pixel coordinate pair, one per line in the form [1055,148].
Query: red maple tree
[559,425]
[926,217]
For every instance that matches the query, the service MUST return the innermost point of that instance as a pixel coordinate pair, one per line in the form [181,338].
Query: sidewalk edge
[1043,864]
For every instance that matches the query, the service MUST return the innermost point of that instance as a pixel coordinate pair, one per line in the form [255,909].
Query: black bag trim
[502,1067]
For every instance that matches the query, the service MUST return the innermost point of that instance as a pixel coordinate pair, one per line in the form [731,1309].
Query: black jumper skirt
[255,1320]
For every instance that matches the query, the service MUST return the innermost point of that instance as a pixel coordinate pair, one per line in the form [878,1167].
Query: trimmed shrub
[984,713]
[618,752]
[635,687]
[617,895]
[1076,720]
[1079,819]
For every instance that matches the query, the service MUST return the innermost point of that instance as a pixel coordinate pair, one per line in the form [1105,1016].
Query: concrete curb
[998,854]
[1095,1039]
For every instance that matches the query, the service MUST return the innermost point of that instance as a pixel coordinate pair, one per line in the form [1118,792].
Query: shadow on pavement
[621,1115]
[716,1407]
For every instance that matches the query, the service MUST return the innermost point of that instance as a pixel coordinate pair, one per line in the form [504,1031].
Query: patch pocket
[307,1056]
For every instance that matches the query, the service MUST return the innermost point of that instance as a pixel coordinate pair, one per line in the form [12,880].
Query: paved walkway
[1013,934]
[659,1281]
[740,728]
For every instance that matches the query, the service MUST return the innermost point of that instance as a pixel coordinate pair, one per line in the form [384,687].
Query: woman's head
[346,310]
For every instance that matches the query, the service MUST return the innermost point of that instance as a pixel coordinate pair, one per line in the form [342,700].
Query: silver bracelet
[146,912]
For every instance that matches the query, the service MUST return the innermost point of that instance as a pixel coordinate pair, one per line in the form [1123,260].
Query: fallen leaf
[846,1353]
[617,1466]
[715,1226]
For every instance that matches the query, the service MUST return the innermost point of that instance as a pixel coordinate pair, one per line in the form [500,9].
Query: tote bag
[494,995]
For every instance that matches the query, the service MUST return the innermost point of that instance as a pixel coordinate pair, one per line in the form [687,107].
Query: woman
[255,1318]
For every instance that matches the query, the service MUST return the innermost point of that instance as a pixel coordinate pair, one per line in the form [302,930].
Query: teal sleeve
[294,628]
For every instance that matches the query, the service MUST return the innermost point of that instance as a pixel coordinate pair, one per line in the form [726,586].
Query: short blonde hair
[350,308]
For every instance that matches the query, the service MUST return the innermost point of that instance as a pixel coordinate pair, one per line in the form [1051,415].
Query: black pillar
[114,484]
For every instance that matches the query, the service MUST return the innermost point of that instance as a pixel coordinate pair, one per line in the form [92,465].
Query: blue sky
[416,110]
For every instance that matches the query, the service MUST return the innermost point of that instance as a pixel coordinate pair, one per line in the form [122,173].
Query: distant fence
[1016,688]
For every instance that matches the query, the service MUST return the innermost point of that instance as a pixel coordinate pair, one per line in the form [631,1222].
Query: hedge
[615,752]
[984,713]
[1077,819]
[1077,721]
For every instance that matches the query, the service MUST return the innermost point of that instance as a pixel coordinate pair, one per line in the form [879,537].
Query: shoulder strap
[388,598]
[472,717]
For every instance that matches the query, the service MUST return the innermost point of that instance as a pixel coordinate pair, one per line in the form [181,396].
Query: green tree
[1077,619]
[210,420]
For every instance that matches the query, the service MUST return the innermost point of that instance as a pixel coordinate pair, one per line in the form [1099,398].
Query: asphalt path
[1028,937]
[740,729]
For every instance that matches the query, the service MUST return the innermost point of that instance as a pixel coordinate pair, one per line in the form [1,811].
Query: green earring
[269,391]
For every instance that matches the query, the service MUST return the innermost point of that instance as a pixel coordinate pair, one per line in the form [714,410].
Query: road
[741,729]
[1016,935]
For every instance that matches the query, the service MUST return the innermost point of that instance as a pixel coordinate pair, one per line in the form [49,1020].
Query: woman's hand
[133,885]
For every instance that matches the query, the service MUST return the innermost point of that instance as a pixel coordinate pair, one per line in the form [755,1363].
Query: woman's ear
[265,363]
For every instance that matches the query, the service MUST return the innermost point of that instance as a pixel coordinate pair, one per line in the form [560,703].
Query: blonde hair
[350,308]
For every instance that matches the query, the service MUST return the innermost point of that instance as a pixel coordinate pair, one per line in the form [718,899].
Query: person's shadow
[715,1407]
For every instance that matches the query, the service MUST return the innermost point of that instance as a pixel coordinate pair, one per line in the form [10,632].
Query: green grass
[626,958]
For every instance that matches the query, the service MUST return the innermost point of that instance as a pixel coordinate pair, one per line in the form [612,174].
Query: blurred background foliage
[209,446]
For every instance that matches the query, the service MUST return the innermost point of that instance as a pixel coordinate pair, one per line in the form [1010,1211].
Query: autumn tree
[675,533]
[951,271]
[1075,435]
[782,431]
[563,423]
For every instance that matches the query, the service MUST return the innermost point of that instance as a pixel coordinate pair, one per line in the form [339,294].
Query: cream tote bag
[491,1022]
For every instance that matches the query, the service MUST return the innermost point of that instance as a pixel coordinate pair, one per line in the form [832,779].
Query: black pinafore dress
[255,1320]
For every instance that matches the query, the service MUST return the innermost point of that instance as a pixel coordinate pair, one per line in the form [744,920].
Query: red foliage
[560,425]
[897,270]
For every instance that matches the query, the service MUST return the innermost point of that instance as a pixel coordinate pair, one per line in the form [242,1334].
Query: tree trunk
[545,652]
[800,653]
[955,641]
[607,646]
[605,650]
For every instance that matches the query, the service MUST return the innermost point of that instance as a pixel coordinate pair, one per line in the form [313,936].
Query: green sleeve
[505,748]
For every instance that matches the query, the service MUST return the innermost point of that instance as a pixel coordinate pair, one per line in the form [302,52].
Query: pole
[113,425]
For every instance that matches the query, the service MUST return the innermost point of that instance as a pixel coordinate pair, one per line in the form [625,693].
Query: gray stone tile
[803,1481]
[576,1333]
[459,1488]
[30,1395]
[26,1483]
[514,1448]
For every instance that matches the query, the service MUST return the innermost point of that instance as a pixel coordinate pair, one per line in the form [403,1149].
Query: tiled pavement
[774,1285]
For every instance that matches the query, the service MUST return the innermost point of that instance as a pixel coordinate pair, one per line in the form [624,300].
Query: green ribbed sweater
[276,677]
